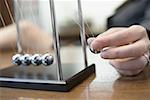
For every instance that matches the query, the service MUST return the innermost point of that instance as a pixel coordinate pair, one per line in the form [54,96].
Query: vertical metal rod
[82,32]
[56,41]
[17,17]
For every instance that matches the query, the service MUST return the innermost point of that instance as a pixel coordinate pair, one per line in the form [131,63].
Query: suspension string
[2,19]
[17,16]
[80,27]
[91,31]
[8,8]
[32,15]
[19,9]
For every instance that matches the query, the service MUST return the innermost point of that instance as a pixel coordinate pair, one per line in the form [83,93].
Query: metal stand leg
[82,32]
[45,78]
[56,40]
[17,17]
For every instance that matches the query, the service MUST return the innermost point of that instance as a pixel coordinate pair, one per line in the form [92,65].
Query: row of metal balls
[36,59]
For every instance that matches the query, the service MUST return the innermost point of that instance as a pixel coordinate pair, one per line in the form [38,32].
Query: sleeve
[148,32]
[146,20]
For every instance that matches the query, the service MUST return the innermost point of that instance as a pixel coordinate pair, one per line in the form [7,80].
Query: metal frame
[82,32]
[17,17]
[59,81]
[56,40]
[56,37]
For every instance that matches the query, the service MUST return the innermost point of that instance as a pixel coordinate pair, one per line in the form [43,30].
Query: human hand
[125,48]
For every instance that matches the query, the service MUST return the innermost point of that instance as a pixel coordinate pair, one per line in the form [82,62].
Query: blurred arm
[32,38]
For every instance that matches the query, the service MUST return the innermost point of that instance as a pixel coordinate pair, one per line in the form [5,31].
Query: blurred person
[33,38]
[131,12]
[125,44]
[127,48]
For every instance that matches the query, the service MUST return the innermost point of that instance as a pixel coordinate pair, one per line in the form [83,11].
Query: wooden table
[107,84]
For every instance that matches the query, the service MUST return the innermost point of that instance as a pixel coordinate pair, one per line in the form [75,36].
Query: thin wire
[32,14]
[56,40]
[82,32]
[20,9]
[80,27]
[17,16]
[8,8]
[90,30]
[88,27]
[2,19]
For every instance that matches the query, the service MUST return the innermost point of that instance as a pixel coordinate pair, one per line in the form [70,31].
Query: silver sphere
[47,59]
[26,60]
[36,59]
[16,59]
[89,41]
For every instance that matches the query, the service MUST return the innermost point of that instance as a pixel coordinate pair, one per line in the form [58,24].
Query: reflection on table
[106,85]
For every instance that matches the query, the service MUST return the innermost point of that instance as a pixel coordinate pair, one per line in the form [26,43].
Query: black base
[44,77]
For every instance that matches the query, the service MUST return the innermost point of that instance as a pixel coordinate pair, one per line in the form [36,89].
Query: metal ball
[36,59]
[90,40]
[47,59]
[26,60]
[94,51]
[16,59]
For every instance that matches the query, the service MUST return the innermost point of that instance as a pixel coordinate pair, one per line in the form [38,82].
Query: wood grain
[4,11]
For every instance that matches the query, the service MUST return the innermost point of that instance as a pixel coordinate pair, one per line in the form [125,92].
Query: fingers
[129,73]
[132,50]
[126,44]
[110,31]
[129,66]
[126,36]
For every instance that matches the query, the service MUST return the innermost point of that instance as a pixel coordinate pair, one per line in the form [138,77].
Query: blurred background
[99,15]
[37,12]
[95,13]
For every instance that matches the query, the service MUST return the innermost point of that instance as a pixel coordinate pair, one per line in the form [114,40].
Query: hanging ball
[89,41]
[36,59]
[26,60]
[47,59]
[16,59]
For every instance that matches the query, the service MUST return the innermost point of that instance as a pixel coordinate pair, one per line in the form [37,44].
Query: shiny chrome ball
[47,59]
[89,41]
[36,59]
[26,60]
[16,59]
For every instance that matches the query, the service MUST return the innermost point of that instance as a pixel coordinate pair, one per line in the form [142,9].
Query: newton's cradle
[47,76]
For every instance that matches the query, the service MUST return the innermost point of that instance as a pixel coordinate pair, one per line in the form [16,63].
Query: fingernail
[94,51]
[104,54]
